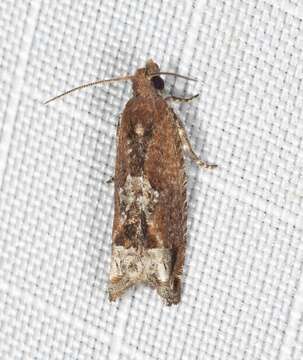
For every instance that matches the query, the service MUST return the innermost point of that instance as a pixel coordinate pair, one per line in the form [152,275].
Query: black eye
[158,82]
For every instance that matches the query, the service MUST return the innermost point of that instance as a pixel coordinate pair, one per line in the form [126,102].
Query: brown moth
[149,227]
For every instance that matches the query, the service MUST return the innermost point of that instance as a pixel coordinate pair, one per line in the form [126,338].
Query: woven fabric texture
[242,292]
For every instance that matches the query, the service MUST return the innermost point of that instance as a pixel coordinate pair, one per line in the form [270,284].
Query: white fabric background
[243,287]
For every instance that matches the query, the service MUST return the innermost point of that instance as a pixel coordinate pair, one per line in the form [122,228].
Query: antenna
[121,78]
[174,74]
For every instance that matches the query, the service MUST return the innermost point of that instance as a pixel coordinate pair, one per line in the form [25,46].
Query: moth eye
[158,82]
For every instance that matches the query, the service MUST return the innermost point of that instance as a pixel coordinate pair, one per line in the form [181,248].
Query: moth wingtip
[113,295]
[112,298]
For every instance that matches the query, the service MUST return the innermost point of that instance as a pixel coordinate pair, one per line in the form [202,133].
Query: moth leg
[110,180]
[180,98]
[188,148]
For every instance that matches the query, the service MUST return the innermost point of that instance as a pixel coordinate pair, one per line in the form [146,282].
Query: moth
[149,226]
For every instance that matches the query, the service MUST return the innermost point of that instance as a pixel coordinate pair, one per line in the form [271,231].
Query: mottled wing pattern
[150,200]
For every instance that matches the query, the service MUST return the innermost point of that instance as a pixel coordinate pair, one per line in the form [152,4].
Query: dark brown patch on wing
[149,145]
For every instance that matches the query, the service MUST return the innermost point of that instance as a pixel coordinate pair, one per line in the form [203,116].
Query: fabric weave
[242,285]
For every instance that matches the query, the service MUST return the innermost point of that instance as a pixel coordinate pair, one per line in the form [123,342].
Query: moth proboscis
[149,227]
